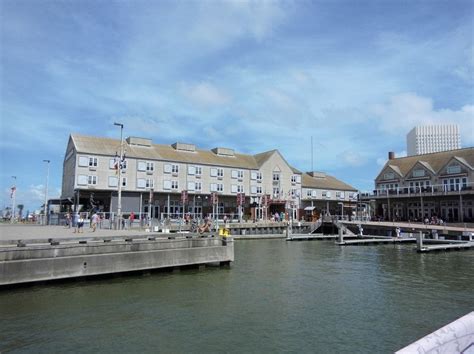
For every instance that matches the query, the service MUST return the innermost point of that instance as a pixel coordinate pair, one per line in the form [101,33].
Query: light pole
[45,222]
[119,201]
[13,195]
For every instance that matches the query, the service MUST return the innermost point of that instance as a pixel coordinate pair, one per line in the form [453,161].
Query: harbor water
[278,296]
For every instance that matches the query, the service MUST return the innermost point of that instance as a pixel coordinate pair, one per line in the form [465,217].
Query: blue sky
[249,75]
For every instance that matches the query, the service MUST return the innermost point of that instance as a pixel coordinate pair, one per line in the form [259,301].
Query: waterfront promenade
[29,232]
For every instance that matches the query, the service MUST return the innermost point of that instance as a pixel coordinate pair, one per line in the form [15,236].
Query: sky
[352,76]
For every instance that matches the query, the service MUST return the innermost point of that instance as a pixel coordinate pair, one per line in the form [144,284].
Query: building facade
[426,139]
[171,180]
[436,185]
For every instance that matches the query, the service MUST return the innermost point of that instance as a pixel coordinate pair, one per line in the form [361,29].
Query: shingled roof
[324,181]
[433,161]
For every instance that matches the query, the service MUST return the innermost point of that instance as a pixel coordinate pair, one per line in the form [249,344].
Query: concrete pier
[47,259]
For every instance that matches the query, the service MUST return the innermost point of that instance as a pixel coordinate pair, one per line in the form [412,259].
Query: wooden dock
[457,246]
[310,237]
[378,240]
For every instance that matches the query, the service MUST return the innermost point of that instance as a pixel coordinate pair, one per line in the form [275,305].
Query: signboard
[184,196]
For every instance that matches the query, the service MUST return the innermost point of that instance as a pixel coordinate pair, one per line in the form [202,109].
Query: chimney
[391,155]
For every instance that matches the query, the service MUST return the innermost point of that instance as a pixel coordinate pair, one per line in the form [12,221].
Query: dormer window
[453,169]
[419,173]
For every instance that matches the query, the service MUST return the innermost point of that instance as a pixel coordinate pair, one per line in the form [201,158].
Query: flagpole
[12,219]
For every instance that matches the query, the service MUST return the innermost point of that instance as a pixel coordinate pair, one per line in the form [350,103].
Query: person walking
[80,225]
[94,221]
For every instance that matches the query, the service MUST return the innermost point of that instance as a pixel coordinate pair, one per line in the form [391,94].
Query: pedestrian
[132,217]
[94,221]
[80,225]
[68,220]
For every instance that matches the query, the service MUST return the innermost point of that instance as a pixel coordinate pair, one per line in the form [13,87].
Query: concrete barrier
[42,262]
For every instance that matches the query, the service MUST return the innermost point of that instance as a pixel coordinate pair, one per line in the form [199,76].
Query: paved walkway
[30,232]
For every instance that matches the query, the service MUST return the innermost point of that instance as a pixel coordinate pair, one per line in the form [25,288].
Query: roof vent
[138,141]
[223,151]
[184,147]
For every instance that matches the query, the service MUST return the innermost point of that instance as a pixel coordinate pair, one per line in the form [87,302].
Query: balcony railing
[434,190]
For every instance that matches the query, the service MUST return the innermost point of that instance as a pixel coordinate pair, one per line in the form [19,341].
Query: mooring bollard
[341,236]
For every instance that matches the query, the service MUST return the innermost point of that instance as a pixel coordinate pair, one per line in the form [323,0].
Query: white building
[425,139]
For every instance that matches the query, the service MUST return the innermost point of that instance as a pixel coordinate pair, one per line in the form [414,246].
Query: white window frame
[141,166]
[150,166]
[220,172]
[93,161]
[388,175]
[191,170]
[174,185]
[124,181]
[419,173]
[150,183]
[276,177]
[174,169]
[453,169]
[92,180]
[220,187]
[167,168]
[198,170]
[198,186]
[191,186]
[233,188]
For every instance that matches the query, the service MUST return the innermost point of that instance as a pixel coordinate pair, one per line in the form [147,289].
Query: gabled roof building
[426,186]
[169,180]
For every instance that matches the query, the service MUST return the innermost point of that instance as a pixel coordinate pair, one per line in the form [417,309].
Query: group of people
[79,222]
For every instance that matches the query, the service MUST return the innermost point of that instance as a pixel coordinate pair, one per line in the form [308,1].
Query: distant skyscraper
[425,139]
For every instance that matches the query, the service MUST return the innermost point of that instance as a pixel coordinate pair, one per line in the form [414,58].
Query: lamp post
[119,201]
[45,222]
[13,195]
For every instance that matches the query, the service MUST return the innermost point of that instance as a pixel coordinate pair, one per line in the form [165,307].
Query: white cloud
[406,110]
[352,158]
[204,94]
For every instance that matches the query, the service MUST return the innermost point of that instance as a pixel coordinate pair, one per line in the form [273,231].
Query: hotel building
[169,180]
[426,139]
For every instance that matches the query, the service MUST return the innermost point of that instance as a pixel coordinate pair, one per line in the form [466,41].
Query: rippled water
[277,297]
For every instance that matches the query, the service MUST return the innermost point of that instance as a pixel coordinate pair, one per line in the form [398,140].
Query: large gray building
[169,180]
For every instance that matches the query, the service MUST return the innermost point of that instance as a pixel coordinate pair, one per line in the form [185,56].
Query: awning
[310,208]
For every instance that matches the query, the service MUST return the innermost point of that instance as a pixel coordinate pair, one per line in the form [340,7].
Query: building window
[256,175]
[141,183]
[295,179]
[195,170]
[454,169]
[124,181]
[276,192]
[113,181]
[174,185]
[91,180]
[150,183]
[220,187]
[276,177]
[174,169]
[418,173]
[389,175]
[150,166]
[217,172]
[239,174]
[197,186]
[92,161]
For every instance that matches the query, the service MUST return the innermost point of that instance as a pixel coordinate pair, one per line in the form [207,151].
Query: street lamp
[13,196]
[119,167]
[46,193]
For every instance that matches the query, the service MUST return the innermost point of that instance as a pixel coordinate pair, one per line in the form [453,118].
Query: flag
[116,163]
[13,190]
